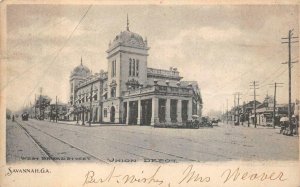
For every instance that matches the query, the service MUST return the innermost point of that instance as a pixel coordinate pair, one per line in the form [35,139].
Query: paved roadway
[42,140]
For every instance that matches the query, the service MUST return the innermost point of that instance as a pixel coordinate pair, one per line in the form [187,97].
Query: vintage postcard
[149,93]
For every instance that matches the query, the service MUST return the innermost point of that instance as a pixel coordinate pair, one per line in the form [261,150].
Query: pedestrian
[13,118]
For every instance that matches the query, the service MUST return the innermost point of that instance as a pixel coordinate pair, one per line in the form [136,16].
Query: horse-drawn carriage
[198,122]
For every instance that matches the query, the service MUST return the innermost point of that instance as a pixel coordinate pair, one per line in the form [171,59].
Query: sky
[221,47]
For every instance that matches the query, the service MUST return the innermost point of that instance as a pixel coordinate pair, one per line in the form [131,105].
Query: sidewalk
[252,125]
[87,123]
[276,129]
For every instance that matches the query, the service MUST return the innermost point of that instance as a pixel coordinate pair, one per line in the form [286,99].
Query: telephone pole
[234,105]
[274,104]
[226,111]
[238,94]
[254,87]
[40,103]
[35,106]
[222,113]
[289,42]
[56,113]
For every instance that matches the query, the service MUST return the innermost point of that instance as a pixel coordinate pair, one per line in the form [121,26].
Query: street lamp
[76,111]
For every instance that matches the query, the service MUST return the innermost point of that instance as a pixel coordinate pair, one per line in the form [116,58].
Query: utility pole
[226,111]
[56,113]
[274,104]
[234,108]
[91,100]
[238,106]
[289,42]
[35,106]
[40,103]
[254,87]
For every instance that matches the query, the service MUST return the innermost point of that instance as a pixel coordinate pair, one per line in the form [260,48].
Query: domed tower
[77,76]
[127,62]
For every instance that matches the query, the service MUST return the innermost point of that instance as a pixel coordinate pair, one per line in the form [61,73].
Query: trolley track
[36,142]
[103,139]
[132,145]
[158,151]
[58,139]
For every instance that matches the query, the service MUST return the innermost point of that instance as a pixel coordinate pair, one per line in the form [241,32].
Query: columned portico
[154,117]
[179,115]
[168,105]
[139,112]
[127,113]
[190,109]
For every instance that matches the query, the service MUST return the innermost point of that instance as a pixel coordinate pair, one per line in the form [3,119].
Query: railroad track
[145,148]
[42,149]
[157,151]
[58,139]
[128,144]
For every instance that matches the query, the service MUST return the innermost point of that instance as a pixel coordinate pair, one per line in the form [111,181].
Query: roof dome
[81,70]
[130,39]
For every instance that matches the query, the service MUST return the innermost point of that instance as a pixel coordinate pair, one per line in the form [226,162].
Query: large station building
[129,92]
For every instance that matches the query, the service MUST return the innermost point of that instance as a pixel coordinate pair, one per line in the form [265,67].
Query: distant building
[265,111]
[246,111]
[130,92]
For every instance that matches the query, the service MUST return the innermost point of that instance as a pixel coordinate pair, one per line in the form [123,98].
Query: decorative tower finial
[81,61]
[127,23]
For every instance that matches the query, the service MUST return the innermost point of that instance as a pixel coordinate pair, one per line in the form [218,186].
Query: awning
[195,116]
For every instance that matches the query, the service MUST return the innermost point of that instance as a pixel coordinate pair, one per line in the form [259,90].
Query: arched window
[113,68]
[133,67]
[130,67]
[105,112]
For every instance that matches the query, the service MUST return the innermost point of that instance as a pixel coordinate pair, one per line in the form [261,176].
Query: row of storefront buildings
[130,92]
[264,112]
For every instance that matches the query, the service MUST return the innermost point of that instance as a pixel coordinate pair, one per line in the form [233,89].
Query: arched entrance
[112,114]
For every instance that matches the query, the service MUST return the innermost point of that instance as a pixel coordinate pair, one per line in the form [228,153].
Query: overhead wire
[57,54]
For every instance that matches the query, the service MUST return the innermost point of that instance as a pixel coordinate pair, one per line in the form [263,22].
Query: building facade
[131,93]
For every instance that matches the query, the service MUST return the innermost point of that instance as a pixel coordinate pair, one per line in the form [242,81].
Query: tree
[41,104]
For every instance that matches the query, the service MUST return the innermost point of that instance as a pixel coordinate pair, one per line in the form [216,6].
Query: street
[57,142]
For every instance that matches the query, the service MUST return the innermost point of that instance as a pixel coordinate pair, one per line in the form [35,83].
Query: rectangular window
[130,67]
[137,68]
[112,69]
